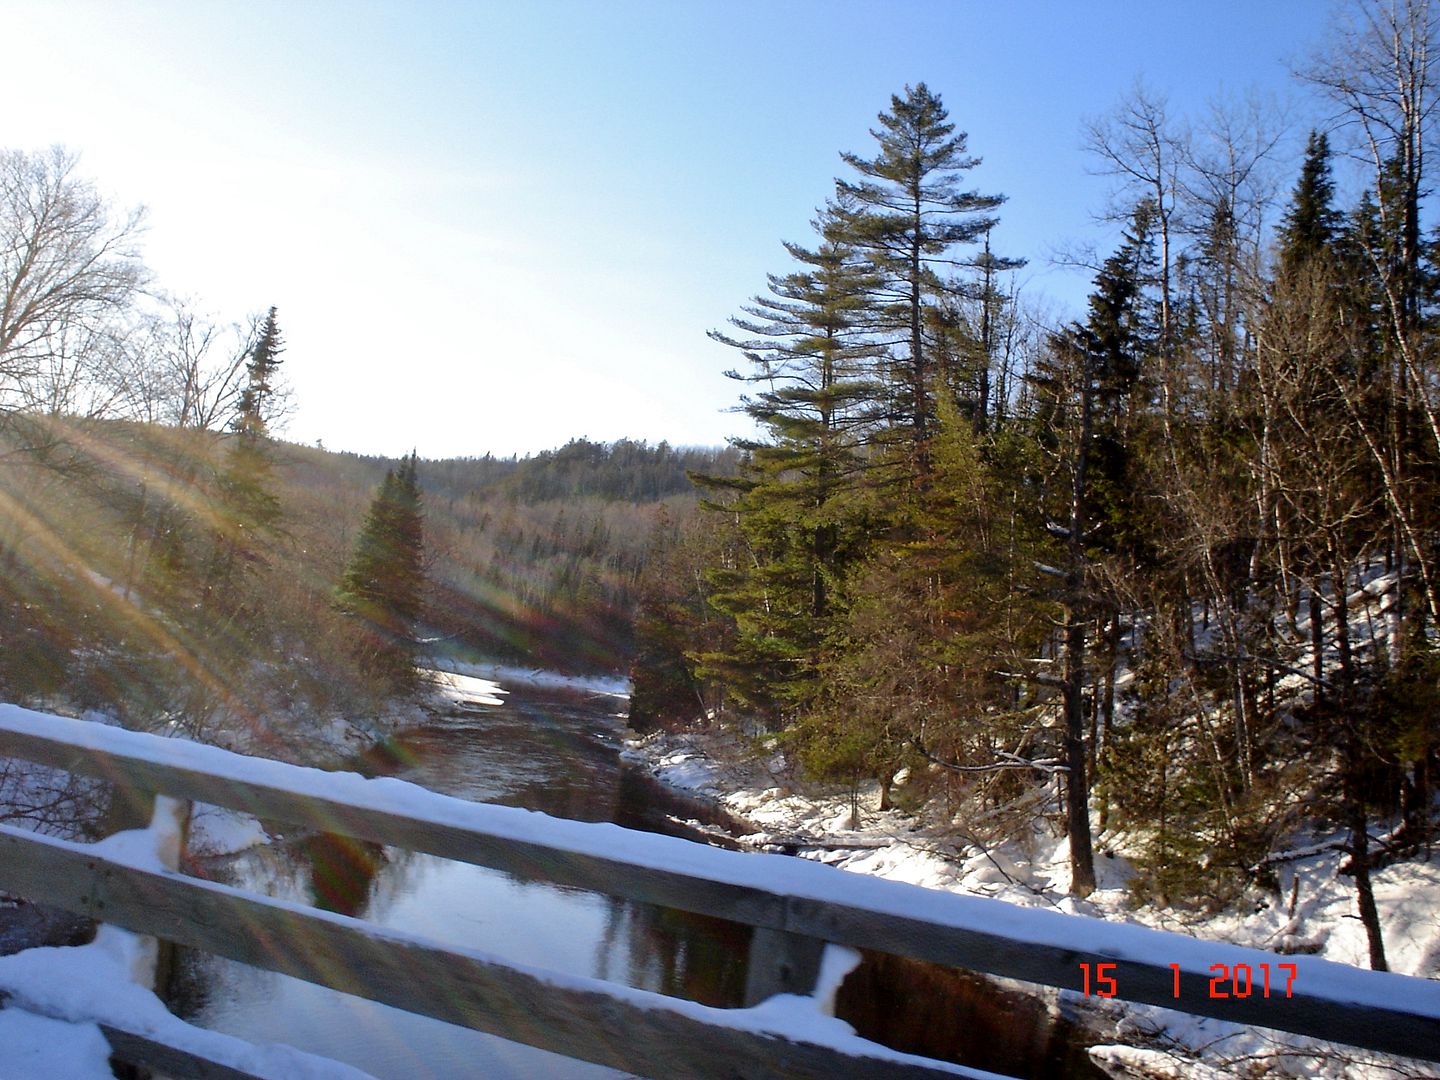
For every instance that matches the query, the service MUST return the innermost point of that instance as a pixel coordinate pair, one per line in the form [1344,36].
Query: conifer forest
[1166,570]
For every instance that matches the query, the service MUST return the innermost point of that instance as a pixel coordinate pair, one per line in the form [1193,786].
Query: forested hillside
[537,560]
[1169,571]
[158,574]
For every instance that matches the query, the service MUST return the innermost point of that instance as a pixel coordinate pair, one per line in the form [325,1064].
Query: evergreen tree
[256,400]
[1086,399]
[383,584]
[1311,223]
[938,614]
[809,354]
[1096,373]
[809,349]
[248,475]
[247,507]
[908,214]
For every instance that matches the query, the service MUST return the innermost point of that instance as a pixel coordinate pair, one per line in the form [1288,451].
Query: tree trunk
[1317,639]
[1077,802]
[1360,862]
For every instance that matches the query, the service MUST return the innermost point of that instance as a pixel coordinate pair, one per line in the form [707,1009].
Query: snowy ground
[817,824]
[612,685]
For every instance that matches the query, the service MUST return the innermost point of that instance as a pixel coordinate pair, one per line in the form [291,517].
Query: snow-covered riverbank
[1313,912]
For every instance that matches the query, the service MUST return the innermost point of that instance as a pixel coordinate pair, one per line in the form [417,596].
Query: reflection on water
[554,753]
[957,1016]
[342,871]
[558,753]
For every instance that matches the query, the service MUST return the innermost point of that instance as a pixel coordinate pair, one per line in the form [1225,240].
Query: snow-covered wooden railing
[797,907]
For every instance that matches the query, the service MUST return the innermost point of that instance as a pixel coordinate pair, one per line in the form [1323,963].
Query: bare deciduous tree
[1139,145]
[185,368]
[1377,70]
[1229,187]
[68,264]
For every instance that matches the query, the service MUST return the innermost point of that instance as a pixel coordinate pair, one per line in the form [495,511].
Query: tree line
[1166,572]
[626,470]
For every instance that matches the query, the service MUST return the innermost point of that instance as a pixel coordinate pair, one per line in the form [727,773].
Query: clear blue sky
[492,226]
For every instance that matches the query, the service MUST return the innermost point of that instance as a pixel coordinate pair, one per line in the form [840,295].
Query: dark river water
[558,752]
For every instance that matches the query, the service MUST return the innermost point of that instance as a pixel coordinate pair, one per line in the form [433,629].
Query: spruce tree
[1311,223]
[256,399]
[1085,397]
[810,355]
[384,582]
[247,507]
[249,472]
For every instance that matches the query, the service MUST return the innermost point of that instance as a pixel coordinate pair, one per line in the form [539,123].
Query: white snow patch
[607,685]
[215,830]
[835,963]
[39,1048]
[462,693]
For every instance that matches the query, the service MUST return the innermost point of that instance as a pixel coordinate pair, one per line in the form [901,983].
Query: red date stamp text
[1227,980]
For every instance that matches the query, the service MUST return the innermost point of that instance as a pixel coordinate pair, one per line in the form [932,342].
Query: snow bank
[607,685]
[816,824]
[214,830]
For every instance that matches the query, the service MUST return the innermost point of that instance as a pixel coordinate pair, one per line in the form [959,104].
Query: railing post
[168,825]
[130,807]
[781,963]
[172,854]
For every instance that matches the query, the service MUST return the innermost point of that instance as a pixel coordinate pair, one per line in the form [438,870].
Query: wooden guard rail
[796,907]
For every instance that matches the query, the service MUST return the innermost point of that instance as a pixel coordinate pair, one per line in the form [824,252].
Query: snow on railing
[797,907]
[66,1011]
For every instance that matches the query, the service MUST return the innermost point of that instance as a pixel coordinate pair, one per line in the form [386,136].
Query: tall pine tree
[909,214]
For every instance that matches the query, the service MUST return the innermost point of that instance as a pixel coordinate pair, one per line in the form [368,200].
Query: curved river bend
[557,752]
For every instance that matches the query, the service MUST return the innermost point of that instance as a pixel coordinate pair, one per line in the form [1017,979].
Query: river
[557,751]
